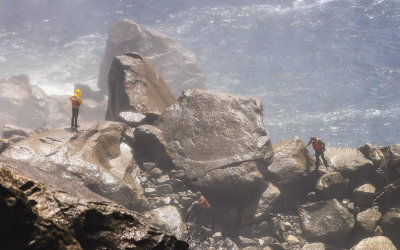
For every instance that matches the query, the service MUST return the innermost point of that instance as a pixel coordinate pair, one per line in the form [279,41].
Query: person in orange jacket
[76,102]
[319,148]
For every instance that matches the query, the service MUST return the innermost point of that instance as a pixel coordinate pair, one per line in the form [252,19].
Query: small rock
[163,189]
[163,179]
[291,239]
[155,173]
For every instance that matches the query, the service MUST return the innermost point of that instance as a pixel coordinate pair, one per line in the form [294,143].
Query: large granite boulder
[219,140]
[177,65]
[351,163]
[134,86]
[290,170]
[326,221]
[39,216]
[374,243]
[97,157]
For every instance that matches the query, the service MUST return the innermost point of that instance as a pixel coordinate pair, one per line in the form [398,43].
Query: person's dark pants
[74,119]
[319,153]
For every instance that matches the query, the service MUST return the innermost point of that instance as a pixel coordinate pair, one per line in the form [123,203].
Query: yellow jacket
[76,101]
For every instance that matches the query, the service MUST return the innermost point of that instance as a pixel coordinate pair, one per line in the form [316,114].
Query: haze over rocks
[200,167]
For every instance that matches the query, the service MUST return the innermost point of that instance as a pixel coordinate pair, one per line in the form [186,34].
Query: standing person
[319,148]
[76,101]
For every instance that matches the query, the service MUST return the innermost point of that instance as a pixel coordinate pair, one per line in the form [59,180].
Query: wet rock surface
[49,218]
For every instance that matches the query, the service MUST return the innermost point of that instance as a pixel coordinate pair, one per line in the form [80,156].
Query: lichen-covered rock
[177,65]
[331,185]
[368,220]
[375,243]
[134,86]
[326,221]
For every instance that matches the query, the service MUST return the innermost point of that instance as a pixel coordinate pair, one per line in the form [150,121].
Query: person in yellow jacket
[76,101]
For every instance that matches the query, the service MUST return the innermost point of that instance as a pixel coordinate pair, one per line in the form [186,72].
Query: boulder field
[197,172]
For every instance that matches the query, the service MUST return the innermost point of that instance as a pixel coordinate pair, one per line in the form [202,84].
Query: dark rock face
[176,64]
[218,139]
[66,222]
[364,195]
[391,224]
[388,197]
[326,220]
[15,133]
[331,185]
[134,86]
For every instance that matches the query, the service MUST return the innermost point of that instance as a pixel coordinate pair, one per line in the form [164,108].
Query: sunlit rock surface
[375,243]
[326,220]
[38,217]
[177,65]
[96,157]
[219,139]
[134,86]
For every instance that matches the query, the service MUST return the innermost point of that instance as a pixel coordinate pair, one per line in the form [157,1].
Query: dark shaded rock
[4,143]
[364,195]
[391,225]
[382,174]
[219,140]
[94,224]
[134,86]
[97,157]
[22,228]
[14,133]
[150,146]
[392,156]
[374,243]
[389,196]
[368,219]
[331,185]
[326,221]
[268,200]
[176,64]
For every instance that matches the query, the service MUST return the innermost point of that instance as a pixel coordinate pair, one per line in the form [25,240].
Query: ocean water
[326,68]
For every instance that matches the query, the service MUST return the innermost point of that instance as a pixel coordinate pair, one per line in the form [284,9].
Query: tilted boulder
[351,163]
[374,243]
[134,86]
[177,65]
[97,157]
[219,140]
[47,217]
[368,220]
[364,195]
[290,169]
[326,221]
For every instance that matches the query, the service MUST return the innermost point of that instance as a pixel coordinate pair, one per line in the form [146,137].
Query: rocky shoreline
[138,180]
